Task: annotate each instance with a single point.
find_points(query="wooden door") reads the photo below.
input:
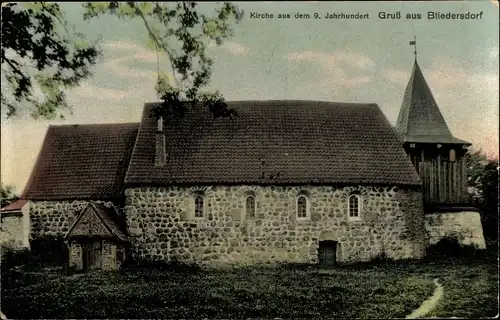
(327, 253)
(93, 255)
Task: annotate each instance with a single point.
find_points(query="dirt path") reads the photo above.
(429, 304)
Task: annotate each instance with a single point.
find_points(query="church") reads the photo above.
(282, 181)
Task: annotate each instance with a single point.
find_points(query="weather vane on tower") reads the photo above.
(414, 43)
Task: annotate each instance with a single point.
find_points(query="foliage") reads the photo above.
(45, 250)
(41, 58)
(12, 257)
(7, 195)
(179, 31)
(482, 176)
(50, 249)
(450, 247)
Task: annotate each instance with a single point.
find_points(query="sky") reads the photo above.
(367, 60)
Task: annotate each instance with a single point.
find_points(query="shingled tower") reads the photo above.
(437, 155)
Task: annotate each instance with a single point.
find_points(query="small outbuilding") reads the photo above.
(97, 239)
(15, 224)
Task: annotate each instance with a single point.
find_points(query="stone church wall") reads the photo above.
(54, 217)
(464, 226)
(163, 227)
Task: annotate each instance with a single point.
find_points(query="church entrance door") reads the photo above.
(92, 255)
(327, 253)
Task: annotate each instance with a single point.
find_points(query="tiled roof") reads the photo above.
(112, 220)
(274, 142)
(420, 119)
(82, 162)
(15, 206)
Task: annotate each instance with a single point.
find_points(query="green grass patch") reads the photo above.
(385, 290)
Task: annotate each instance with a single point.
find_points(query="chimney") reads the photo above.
(160, 152)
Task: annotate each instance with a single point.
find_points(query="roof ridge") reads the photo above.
(286, 100)
(93, 124)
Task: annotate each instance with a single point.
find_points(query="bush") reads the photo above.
(50, 249)
(450, 247)
(12, 257)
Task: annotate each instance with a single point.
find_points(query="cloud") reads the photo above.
(493, 53)
(128, 53)
(88, 90)
(333, 60)
(132, 50)
(396, 76)
(119, 67)
(235, 48)
(334, 66)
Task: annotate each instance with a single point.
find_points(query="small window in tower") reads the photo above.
(452, 155)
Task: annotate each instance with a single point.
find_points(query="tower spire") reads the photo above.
(414, 44)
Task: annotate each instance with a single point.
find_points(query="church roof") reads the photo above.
(274, 142)
(82, 162)
(420, 119)
(15, 206)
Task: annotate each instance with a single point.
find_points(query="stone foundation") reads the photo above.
(163, 227)
(464, 226)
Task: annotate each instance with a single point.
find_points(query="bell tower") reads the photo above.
(437, 155)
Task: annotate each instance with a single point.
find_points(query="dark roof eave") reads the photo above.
(60, 198)
(430, 140)
(249, 182)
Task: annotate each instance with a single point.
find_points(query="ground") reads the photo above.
(383, 290)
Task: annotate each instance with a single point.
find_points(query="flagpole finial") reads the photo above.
(415, 52)
(414, 44)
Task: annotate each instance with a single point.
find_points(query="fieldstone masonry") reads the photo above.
(15, 228)
(55, 217)
(163, 227)
(75, 255)
(465, 226)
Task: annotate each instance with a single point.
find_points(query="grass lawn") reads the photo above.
(366, 291)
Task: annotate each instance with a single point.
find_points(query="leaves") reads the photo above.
(482, 175)
(38, 52)
(179, 31)
(7, 195)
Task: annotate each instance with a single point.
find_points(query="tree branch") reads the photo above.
(13, 67)
(155, 39)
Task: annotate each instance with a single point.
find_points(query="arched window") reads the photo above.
(250, 207)
(302, 206)
(198, 207)
(354, 207)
